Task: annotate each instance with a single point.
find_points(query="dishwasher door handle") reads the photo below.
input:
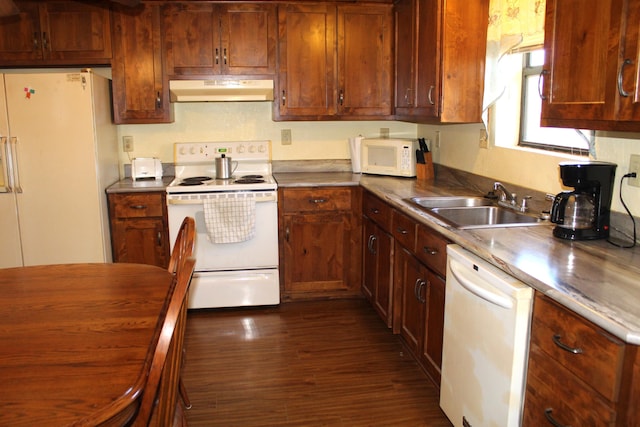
(495, 298)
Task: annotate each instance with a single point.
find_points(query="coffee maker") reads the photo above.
(583, 214)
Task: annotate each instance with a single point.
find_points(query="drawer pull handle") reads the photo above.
(556, 341)
(316, 201)
(138, 207)
(430, 251)
(401, 230)
(375, 211)
(159, 238)
(549, 417)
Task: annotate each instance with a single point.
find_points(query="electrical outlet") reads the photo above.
(384, 133)
(484, 140)
(634, 166)
(285, 136)
(127, 144)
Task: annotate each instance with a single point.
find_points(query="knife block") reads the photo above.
(425, 171)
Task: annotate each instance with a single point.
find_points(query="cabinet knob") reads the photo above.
(430, 251)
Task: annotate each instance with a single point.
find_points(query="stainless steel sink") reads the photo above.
(473, 212)
(450, 202)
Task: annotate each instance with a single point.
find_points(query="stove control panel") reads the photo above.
(197, 152)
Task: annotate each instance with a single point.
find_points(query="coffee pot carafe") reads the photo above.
(583, 214)
(573, 210)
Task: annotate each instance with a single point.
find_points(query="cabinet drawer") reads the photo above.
(403, 229)
(599, 358)
(377, 210)
(137, 205)
(431, 248)
(316, 199)
(554, 393)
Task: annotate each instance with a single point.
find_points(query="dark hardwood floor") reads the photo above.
(326, 363)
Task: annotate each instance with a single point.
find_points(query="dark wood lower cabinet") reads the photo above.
(139, 229)
(377, 269)
(320, 242)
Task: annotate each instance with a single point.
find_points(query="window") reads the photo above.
(573, 141)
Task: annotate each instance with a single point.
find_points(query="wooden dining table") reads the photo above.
(76, 341)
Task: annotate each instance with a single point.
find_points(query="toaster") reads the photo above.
(146, 168)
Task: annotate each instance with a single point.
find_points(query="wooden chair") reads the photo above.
(159, 398)
(184, 245)
(183, 248)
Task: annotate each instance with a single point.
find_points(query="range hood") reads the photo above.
(220, 90)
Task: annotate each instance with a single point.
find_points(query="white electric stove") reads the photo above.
(237, 273)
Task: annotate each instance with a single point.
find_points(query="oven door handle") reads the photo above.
(199, 201)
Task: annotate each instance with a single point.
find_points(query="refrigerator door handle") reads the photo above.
(6, 166)
(14, 180)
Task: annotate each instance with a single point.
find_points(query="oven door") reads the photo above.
(259, 252)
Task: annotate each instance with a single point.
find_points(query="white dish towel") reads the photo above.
(230, 220)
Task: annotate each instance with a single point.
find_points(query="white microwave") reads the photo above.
(395, 157)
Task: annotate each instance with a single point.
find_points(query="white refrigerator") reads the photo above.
(58, 151)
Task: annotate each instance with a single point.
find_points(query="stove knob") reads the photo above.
(261, 148)
(241, 148)
(192, 150)
(252, 149)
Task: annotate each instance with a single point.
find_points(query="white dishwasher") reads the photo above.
(486, 340)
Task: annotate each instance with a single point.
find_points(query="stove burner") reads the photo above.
(195, 180)
(245, 180)
(251, 177)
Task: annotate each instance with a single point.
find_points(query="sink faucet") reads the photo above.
(506, 197)
(509, 199)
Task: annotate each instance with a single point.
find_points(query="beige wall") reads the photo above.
(459, 148)
(229, 121)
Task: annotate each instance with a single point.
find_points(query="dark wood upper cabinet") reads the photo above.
(56, 32)
(140, 87)
(591, 72)
(440, 54)
(335, 62)
(207, 39)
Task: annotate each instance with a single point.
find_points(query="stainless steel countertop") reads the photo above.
(592, 278)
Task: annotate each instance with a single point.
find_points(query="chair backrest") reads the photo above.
(184, 244)
(173, 325)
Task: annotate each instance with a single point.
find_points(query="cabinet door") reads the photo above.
(581, 60)
(140, 91)
(365, 41)
(192, 39)
(249, 34)
(434, 327)
(405, 27)
(428, 72)
(75, 31)
(140, 240)
(306, 76)
(377, 280)
(56, 32)
(417, 58)
(629, 91)
(369, 259)
(316, 251)
(20, 35)
(410, 279)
